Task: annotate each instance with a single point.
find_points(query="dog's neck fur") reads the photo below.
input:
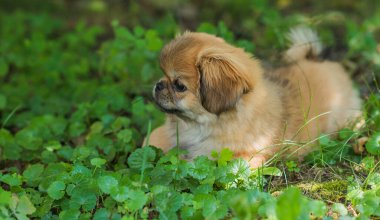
(237, 128)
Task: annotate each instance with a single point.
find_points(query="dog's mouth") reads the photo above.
(168, 110)
(172, 111)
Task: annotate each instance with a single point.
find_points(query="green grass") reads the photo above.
(75, 106)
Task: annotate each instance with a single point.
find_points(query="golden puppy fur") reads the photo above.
(220, 97)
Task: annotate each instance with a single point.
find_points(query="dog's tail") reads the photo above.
(304, 44)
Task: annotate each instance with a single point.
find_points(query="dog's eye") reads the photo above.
(179, 87)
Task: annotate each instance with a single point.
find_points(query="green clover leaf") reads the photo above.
(56, 190)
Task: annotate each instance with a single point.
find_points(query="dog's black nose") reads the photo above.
(159, 86)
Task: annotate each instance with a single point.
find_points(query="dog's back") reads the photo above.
(318, 96)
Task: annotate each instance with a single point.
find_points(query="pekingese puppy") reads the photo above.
(219, 96)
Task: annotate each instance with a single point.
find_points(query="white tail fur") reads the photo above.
(304, 42)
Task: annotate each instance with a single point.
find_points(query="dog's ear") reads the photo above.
(223, 79)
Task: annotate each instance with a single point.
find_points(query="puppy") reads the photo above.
(218, 96)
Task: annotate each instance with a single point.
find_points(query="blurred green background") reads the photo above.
(75, 103)
(86, 61)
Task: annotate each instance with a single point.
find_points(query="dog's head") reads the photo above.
(203, 75)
